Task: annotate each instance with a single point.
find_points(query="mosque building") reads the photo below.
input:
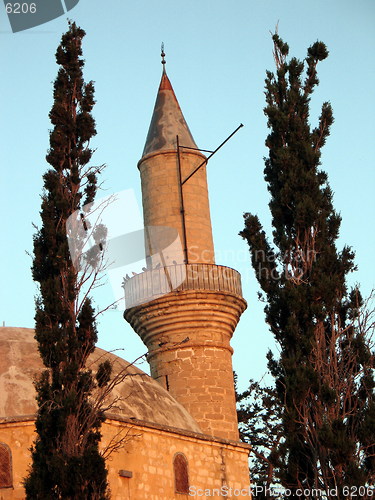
(179, 425)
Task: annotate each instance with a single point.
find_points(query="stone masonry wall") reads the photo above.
(162, 201)
(188, 334)
(148, 454)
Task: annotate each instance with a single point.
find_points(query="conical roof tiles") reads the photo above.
(167, 122)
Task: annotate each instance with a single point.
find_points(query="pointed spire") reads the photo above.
(167, 120)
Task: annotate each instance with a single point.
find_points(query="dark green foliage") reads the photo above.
(323, 379)
(259, 420)
(66, 459)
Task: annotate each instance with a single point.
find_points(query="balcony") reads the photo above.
(155, 283)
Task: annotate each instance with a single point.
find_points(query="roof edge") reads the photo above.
(144, 423)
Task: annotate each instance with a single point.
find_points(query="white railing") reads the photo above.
(154, 283)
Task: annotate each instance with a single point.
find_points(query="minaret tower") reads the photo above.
(185, 309)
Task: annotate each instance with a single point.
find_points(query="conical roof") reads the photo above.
(167, 122)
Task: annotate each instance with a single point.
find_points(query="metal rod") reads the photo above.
(197, 149)
(166, 271)
(182, 208)
(208, 157)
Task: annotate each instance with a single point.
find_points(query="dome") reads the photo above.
(139, 396)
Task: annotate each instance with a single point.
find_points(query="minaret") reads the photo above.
(184, 307)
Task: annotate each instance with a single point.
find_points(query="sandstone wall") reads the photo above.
(148, 453)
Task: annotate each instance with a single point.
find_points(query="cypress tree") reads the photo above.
(66, 463)
(259, 422)
(324, 375)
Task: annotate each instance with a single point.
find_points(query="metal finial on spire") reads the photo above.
(163, 56)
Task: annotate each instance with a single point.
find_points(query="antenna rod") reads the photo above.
(182, 207)
(208, 157)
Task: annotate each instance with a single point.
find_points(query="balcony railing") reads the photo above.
(155, 283)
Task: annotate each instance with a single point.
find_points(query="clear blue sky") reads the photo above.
(217, 55)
